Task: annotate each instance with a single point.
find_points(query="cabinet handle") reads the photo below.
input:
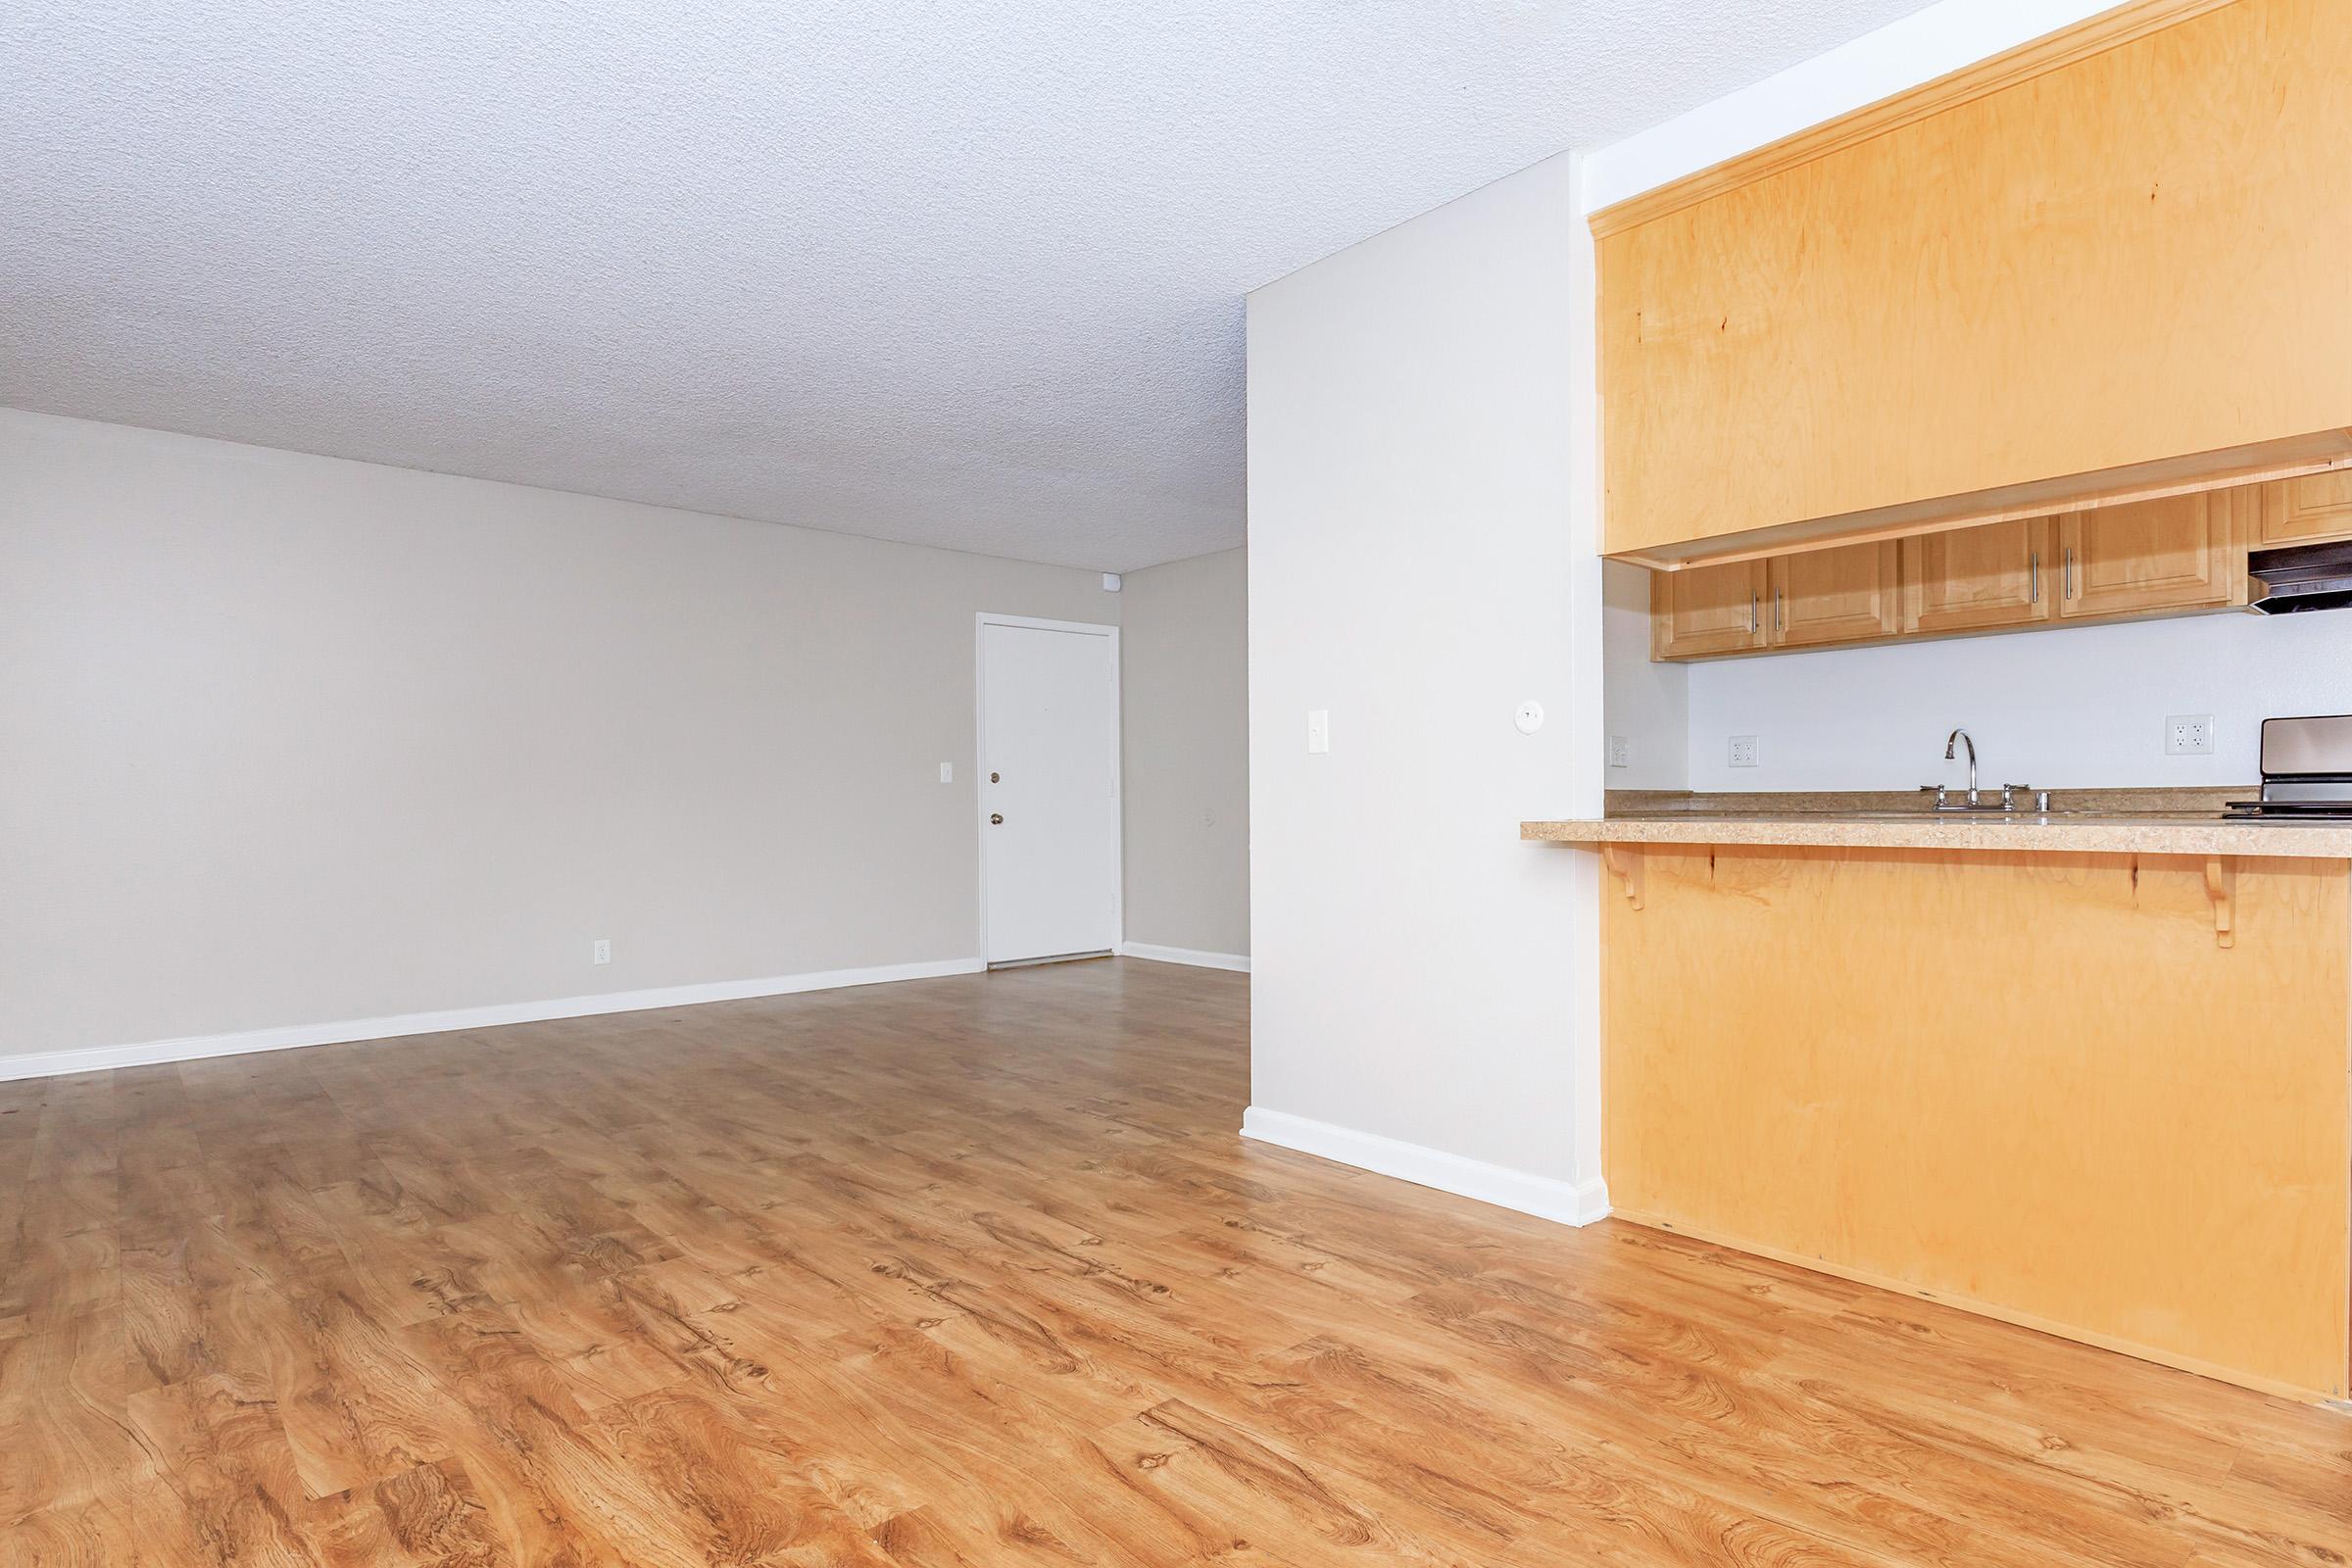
(1779, 609)
(1754, 626)
(2070, 573)
(2034, 567)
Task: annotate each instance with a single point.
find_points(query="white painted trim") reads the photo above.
(1085, 628)
(192, 1047)
(1198, 960)
(1544, 1197)
(981, 621)
(1945, 37)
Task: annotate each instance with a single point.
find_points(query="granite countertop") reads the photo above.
(2105, 821)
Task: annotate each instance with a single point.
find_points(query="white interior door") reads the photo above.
(1049, 787)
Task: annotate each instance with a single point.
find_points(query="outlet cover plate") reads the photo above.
(1744, 751)
(2188, 735)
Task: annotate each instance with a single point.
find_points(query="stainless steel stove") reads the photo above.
(2306, 771)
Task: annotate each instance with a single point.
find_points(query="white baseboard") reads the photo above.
(191, 1048)
(1192, 955)
(1544, 1197)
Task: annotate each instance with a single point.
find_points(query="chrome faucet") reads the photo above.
(1973, 800)
(1951, 751)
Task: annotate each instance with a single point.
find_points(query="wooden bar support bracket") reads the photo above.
(1625, 860)
(2221, 886)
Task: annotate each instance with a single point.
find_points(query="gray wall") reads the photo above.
(290, 740)
(1185, 665)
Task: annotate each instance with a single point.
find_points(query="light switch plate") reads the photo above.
(946, 772)
(1319, 729)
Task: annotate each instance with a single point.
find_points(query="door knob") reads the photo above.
(994, 777)
(996, 818)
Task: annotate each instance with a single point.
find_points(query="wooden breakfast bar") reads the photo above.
(2087, 1074)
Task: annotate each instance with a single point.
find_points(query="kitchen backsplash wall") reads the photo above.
(2072, 708)
(1648, 705)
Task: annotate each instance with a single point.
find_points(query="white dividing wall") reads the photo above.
(287, 740)
(1185, 634)
(1420, 562)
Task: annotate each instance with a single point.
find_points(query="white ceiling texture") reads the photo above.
(963, 273)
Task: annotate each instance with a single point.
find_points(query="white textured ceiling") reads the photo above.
(966, 272)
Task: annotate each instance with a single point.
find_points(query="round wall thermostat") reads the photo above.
(1530, 717)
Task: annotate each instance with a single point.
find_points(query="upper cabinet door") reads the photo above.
(2179, 552)
(1997, 574)
(1707, 609)
(1849, 594)
(2131, 249)
(2307, 510)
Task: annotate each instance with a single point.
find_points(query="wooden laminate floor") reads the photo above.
(975, 1271)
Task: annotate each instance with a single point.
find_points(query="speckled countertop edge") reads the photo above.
(2115, 821)
(2142, 834)
(2116, 801)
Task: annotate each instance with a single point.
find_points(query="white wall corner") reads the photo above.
(291, 1037)
(1578, 1203)
(1153, 950)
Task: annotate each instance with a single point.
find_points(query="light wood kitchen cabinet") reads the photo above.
(1707, 609)
(1975, 579)
(2176, 555)
(2313, 510)
(1851, 593)
(2179, 552)
(2032, 269)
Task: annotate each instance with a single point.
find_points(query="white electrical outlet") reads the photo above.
(603, 951)
(1621, 751)
(1743, 751)
(2188, 735)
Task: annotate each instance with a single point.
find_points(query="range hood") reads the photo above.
(2302, 577)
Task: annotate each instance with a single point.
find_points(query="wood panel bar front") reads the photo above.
(2033, 1084)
